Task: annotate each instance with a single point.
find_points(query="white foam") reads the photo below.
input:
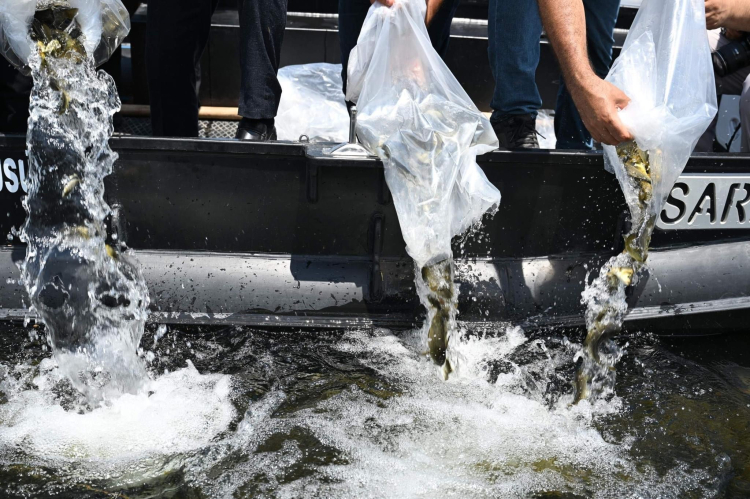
(463, 438)
(184, 411)
(473, 436)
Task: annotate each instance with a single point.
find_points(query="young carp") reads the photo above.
(438, 279)
(605, 315)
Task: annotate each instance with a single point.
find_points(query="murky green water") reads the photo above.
(363, 414)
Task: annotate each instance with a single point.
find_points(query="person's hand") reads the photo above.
(718, 12)
(433, 6)
(598, 102)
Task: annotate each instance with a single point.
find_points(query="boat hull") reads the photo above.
(284, 234)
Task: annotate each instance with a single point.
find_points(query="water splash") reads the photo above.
(90, 295)
(606, 297)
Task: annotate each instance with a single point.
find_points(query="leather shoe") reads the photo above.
(254, 130)
(517, 132)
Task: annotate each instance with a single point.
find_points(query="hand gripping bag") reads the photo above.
(415, 116)
(665, 68)
(104, 23)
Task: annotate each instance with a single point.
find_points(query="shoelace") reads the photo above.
(529, 135)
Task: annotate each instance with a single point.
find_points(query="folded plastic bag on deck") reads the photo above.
(416, 117)
(312, 103)
(665, 68)
(104, 23)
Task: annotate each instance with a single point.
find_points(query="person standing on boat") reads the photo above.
(597, 101)
(515, 27)
(177, 35)
(352, 14)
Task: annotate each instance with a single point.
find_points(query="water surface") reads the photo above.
(237, 412)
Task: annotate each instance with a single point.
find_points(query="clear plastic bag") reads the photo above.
(416, 117)
(665, 68)
(15, 19)
(104, 23)
(316, 89)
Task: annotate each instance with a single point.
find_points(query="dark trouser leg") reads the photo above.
(515, 29)
(177, 35)
(440, 27)
(352, 14)
(262, 24)
(14, 99)
(601, 16)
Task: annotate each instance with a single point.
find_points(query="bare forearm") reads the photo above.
(740, 18)
(565, 23)
(732, 14)
(597, 101)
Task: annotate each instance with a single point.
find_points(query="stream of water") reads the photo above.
(87, 289)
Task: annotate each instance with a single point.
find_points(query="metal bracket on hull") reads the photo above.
(351, 149)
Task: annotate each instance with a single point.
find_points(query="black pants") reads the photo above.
(352, 15)
(14, 99)
(177, 35)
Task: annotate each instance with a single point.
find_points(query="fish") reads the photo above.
(635, 160)
(607, 324)
(633, 250)
(80, 231)
(581, 386)
(57, 32)
(597, 334)
(111, 252)
(621, 274)
(72, 184)
(439, 281)
(646, 193)
(64, 103)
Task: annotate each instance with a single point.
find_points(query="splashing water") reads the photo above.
(360, 414)
(91, 296)
(605, 298)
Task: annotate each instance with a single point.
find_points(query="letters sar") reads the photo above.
(696, 203)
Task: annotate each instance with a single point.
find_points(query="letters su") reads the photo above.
(13, 175)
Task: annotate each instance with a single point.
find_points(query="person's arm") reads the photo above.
(733, 14)
(433, 6)
(597, 100)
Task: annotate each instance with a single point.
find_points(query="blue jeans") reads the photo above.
(352, 15)
(515, 28)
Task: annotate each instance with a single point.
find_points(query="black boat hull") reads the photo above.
(284, 234)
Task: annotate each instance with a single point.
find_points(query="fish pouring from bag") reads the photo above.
(605, 298)
(89, 293)
(438, 295)
(414, 115)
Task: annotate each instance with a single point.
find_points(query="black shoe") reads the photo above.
(258, 130)
(517, 132)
